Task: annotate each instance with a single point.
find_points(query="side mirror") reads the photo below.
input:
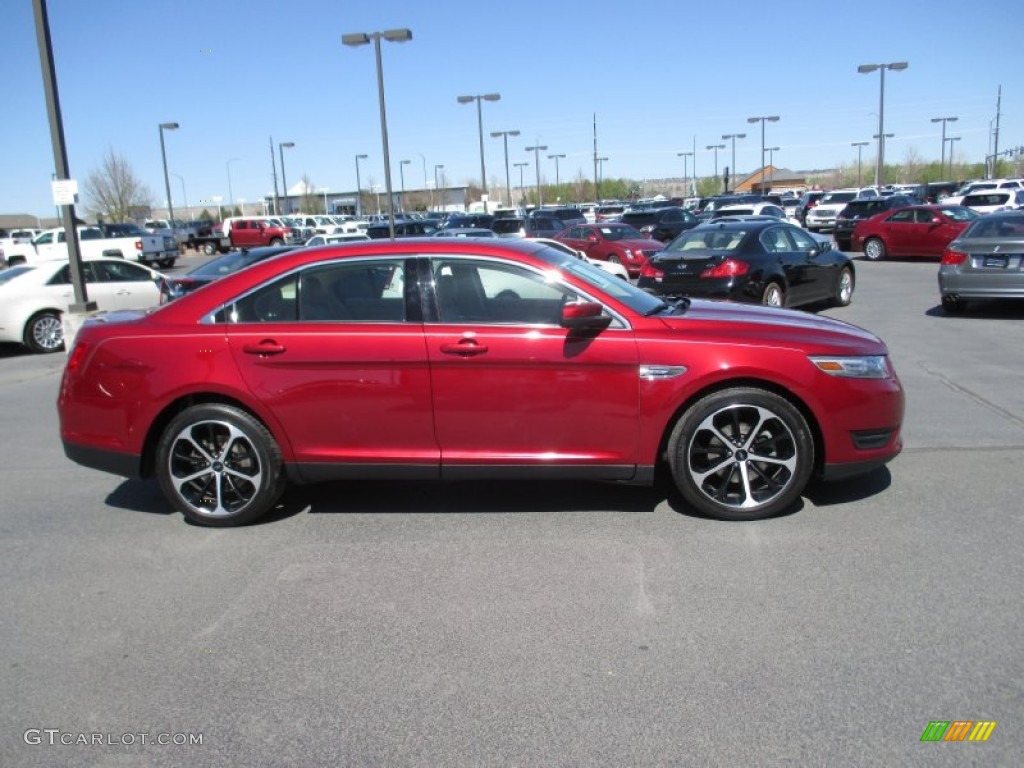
(584, 316)
(591, 238)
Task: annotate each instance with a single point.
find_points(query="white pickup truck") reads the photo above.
(126, 241)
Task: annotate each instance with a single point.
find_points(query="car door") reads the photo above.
(337, 353)
(131, 286)
(46, 245)
(576, 237)
(900, 231)
(513, 388)
(807, 272)
(61, 290)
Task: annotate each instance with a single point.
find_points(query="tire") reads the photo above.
(741, 454)
(44, 332)
(277, 241)
(613, 259)
(953, 305)
(167, 263)
(844, 288)
(219, 466)
(874, 249)
(210, 249)
(773, 295)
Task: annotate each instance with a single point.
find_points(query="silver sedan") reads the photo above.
(986, 261)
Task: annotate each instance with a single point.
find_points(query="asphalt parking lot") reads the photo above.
(536, 624)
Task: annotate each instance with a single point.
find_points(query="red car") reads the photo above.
(916, 230)
(453, 358)
(617, 243)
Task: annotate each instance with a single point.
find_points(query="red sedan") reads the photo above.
(450, 358)
(917, 230)
(618, 243)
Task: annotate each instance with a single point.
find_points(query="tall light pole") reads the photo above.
(951, 139)
(508, 182)
(537, 149)
(273, 168)
(231, 194)
(686, 171)
(881, 136)
(480, 127)
(600, 173)
(324, 191)
(401, 173)
(732, 170)
(184, 197)
(520, 166)
(557, 178)
(771, 164)
(167, 181)
(392, 36)
(359, 188)
(715, 147)
(436, 185)
(763, 119)
(284, 179)
(860, 146)
(944, 120)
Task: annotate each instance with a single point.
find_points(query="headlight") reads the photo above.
(867, 367)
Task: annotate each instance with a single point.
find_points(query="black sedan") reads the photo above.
(232, 261)
(754, 260)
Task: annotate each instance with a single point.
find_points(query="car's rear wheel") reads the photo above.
(773, 295)
(277, 241)
(741, 454)
(844, 288)
(219, 466)
(44, 332)
(874, 249)
(209, 249)
(953, 305)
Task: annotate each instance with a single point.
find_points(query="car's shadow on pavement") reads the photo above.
(823, 494)
(983, 309)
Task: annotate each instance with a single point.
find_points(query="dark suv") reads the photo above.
(808, 201)
(858, 210)
(662, 224)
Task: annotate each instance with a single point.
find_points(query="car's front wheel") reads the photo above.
(874, 249)
(219, 466)
(844, 288)
(741, 454)
(44, 332)
(209, 249)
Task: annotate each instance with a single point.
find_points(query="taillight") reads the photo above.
(651, 272)
(728, 268)
(953, 257)
(138, 245)
(77, 356)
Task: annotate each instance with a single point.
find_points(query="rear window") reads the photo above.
(713, 239)
(994, 225)
(987, 198)
(507, 226)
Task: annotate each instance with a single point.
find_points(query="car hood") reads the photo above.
(739, 323)
(645, 244)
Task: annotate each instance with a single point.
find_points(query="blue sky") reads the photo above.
(659, 76)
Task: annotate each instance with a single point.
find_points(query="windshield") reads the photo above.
(635, 298)
(838, 197)
(229, 262)
(620, 232)
(711, 239)
(12, 272)
(959, 214)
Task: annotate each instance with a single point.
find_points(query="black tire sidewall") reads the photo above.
(767, 289)
(259, 436)
(691, 419)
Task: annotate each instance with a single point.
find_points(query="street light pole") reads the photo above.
(686, 171)
(508, 182)
(944, 120)
(184, 197)
(557, 178)
(520, 166)
(401, 173)
(716, 147)
(436, 185)
(231, 194)
(771, 165)
(763, 119)
(600, 173)
(536, 149)
(284, 179)
(860, 146)
(167, 181)
(359, 188)
(732, 171)
(881, 135)
(951, 139)
(393, 36)
(480, 127)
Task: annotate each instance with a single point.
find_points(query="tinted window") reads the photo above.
(507, 226)
(488, 292)
(121, 272)
(904, 217)
(372, 291)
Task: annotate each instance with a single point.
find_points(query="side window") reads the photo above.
(121, 272)
(272, 303)
(804, 242)
(922, 215)
(672, 215)
(367, 291)
(45, 239)
(903, 217)
(774, 240)
(491, 293)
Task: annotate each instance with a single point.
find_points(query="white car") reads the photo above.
(991, 200)
(33, 297)
(341, 237)
(822, 217)
(749, 209)
(611, 267)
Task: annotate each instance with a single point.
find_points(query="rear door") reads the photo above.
(132, 286)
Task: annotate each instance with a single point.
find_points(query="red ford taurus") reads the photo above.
(468, 358)
(917, 230)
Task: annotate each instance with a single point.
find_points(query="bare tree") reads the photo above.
(114, 191)
(913, 164)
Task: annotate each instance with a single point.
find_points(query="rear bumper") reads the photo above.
(114, 462)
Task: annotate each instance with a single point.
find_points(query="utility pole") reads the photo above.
(273, 167)
(597, 189)
(995, 144)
